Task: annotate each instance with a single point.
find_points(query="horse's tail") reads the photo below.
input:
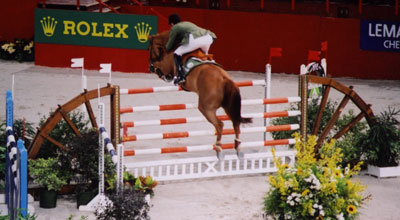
(232, 103)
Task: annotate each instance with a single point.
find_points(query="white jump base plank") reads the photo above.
(204, 167)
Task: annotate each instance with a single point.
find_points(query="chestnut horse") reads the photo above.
(212, 84)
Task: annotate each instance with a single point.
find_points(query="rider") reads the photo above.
(189, 37)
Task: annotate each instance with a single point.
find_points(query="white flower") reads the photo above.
(340, 216)
(312, 212)
(297, 199)
(5, 46)
(322, 213)
(315, 206)
(291, 203)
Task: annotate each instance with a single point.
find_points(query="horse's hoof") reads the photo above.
(220, 155)
(240, 155)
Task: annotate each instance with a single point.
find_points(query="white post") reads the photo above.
(324, 65)
(120, 167)
(101, 150)
(267, 93)
(303, 69)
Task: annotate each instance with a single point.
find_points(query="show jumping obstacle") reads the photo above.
(16, 167)
(199, 167)
(185, 168)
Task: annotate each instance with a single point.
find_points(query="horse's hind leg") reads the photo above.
(236, 127)
(218, 125)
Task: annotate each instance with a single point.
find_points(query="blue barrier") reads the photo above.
(16, 167)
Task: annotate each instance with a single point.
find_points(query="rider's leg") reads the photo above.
(203, 43)
(179, 70)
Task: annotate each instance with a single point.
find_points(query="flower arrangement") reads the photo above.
(19, 50)
(314, 188)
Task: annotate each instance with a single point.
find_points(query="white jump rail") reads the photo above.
(130, 109)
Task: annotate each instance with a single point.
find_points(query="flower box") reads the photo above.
(383, 171)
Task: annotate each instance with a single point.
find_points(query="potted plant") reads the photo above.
(46, 172)
(83, 158)
(381, 145)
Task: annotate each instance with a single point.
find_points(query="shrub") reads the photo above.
(83, 159)
(129, 204)
(348, 142)
(62, 133)
(46, 172)
(314, 189)
(380, 144)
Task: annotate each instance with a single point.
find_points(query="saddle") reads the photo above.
(194, 59)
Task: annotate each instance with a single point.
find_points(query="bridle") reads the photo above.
(158, 58)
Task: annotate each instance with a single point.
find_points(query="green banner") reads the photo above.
(94, 29)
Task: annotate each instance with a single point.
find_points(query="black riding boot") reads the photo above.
(180, 78)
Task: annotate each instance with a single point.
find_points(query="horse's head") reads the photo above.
(161, 61)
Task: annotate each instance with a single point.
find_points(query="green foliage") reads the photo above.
(46, 172)
(62, 133)
(20, 50)
(83, 217)
(312, 111)
(314, 189)
(24, 130)
(18, 133)
(2, 166)
(129, 204)
(19, 217)
(83, 159)
(348, 142)
(143, 184)
(380, 144)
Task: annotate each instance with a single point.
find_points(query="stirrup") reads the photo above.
(179, 80)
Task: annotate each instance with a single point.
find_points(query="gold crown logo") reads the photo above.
(48, 25)
(142, 31)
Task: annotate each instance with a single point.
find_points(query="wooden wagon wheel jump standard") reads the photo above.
(349, 94)
(62, 113)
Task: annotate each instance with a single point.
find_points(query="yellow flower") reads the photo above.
(338, 173)
(11, 50)
(351, 209)
(299, 171)
(305, 192)
(5, 46)
(320, 217)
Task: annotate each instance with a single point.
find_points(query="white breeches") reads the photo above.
(203, 43)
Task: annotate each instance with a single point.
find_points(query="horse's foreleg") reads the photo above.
(218, 125)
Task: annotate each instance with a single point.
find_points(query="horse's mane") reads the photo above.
(163, 37)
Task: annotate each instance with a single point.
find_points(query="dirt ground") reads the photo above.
(38, 90)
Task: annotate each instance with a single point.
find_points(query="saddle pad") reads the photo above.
(193, 62)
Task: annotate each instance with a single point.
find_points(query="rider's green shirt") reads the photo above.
(180, 33)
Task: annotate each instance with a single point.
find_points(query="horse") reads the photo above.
(212, 84)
